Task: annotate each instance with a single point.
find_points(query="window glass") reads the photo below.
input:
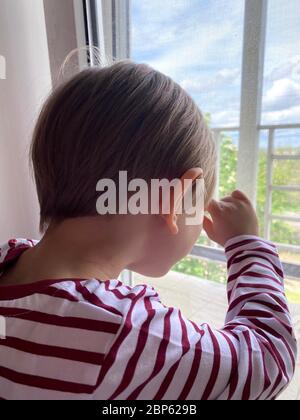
(281, 103)
(201, 48)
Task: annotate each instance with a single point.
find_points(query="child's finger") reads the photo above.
(214, 208)
(228, 199)
(240, 196)
(208, 227)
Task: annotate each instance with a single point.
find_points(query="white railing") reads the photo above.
(215, 253)
(271, 157)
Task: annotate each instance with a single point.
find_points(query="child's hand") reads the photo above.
(232, 216)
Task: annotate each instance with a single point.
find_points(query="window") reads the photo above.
(281, 104)
(280, 142)
(209, 56)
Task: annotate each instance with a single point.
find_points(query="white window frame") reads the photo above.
(108, 24)
(251, 95)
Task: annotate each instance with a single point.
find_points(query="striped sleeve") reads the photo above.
(258, 321)
(159, 354)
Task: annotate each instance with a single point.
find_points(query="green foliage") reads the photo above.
(228, 166)
(204, 269)
(285, 172)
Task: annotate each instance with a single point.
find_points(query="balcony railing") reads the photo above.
(214, 253)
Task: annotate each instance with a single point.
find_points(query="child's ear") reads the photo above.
(177, 195)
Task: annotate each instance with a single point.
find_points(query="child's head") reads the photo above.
(126, 117)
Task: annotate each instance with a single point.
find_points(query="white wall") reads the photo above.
(23, 43)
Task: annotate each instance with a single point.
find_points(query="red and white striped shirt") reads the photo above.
(88, 339)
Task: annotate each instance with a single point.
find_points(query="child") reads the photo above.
(73, 331)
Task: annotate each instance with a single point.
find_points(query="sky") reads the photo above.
(199, 44)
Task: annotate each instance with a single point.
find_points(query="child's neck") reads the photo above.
(76, 248)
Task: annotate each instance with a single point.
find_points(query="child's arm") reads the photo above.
(258, 325)
(159, 354)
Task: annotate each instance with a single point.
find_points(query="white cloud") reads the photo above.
(162, 11)
(192, 50)
(223, 78)
(149, 39)
(227, 118)
(282, 33)
(175, 36)
(291, 115)
(281, 102)
(289, 69)
(283, 94)
(157, 23)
